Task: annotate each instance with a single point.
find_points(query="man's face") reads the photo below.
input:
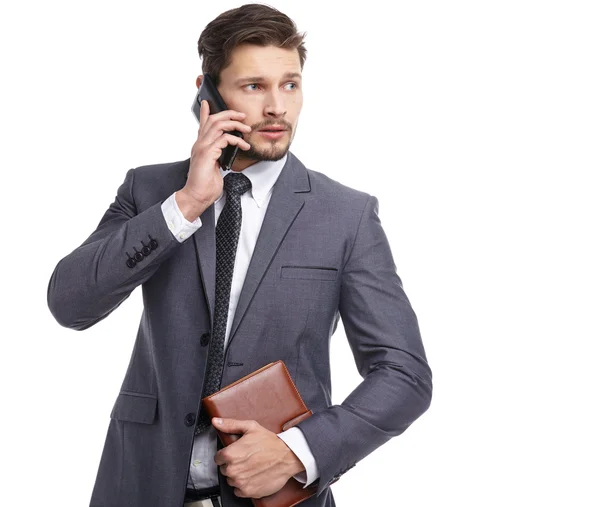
(266, 84)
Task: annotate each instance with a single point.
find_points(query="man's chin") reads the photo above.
(270, 154)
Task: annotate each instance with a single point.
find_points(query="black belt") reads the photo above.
(202, 494)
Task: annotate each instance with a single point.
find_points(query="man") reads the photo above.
(237, 270)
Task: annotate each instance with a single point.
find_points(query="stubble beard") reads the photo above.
(273, 151)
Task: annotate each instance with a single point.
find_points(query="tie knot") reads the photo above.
(236, 183)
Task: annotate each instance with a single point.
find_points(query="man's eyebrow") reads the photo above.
(260, 79)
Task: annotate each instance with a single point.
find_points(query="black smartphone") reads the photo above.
(208, 91)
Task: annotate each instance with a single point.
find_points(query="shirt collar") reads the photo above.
(263, 175)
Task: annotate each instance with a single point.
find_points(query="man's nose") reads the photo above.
(275, 105)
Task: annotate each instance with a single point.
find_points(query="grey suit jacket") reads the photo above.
(321, 255)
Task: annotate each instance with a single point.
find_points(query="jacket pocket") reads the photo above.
(135, 407)
(309, 272)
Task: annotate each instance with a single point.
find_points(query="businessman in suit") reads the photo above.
(239, 269)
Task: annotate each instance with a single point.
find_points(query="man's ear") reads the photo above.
(199, 80)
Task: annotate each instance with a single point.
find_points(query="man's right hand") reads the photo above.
(204, 183)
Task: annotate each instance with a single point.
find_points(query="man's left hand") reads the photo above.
(257, 464)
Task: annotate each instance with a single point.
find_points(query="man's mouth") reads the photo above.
(273, 132)
(273, 129)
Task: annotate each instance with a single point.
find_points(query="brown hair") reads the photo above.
(258, 24)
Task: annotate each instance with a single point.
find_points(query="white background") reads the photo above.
(476, 124)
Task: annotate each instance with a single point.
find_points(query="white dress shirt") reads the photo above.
(263, 175)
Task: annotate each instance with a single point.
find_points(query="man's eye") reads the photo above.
(256, 84)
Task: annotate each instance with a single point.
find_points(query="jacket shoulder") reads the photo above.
(155, 183)
(159, 173)
(324, 186)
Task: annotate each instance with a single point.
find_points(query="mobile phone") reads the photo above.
(208, 91)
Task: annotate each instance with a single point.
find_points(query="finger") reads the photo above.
(204, 112)
(220, 459)
(226, 456)
(237, 484)
(237, 426)
(228, 114)
(240, 493)
(222, 143)
(214, 130)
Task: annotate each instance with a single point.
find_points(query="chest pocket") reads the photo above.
(309, 273)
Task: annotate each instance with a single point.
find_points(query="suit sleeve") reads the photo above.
(95, 278)
(384, 336)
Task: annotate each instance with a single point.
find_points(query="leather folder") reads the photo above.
(269, 397)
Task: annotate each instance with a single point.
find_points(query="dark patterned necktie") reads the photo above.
(227, 234)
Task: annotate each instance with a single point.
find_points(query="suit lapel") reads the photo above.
(204, 240)
(204, 243)
(285, 204)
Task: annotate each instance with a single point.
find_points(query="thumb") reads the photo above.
(235, 426)
(204, 112)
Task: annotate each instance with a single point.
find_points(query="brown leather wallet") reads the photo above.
(269, 397)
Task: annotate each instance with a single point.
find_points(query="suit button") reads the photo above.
(204, 339)
(146, 251)
(130, 262)
(153, 244)
(190, 419)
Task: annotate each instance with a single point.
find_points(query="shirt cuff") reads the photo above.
(181, 228)
(296, 441)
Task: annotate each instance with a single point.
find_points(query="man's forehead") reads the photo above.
(268, 62)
